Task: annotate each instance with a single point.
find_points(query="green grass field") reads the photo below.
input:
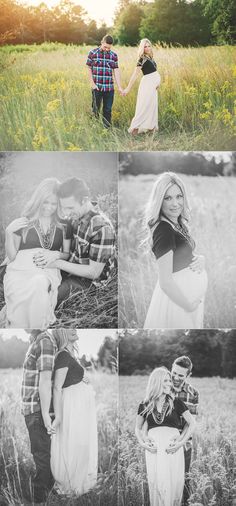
(46, 100)
(16, 463)
(213, 228)
(213, 464)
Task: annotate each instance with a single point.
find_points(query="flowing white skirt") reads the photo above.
(146, 112)
(163, 313)
(74, 446)
(30, 292)
(165, 471)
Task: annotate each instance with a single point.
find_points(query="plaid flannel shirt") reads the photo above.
(39, 357)
(190, 396)
(102, 64)
(94, 239)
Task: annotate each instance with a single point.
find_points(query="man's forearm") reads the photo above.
(117, 78)
(81, 270)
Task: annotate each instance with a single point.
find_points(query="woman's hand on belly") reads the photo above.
(150, 445)
(45, 258)
(173, 447)
(198, 263)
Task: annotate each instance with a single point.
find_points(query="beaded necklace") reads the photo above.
(183, 231)
(45, 238)
(160, 415)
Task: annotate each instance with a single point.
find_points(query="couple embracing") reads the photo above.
(58, 405)
(60, 245)
(164, 426)
(103, 65)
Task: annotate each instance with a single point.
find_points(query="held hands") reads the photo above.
(45, 258)
(198, 263)
(48, 423)
(55, 424)
(17, 224)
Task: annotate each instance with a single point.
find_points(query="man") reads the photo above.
(180, 372)
(102, 65)
(36, 400)
(93, 250)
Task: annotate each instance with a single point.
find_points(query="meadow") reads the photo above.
(213, 478)
(46, 100)
(16, 463)
(213, 221)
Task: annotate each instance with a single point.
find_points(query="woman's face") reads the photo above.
(173, 203)
(167, 384)
(72, 336)
(48, 206)
(147, 48)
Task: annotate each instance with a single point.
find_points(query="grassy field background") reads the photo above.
(16, 463)
(213, 464)
(213, 227)
(46, 100)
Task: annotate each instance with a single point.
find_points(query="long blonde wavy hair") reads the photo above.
(152, 214)
(142, 46)
(155, 389)
(61, 336)
(47, 187)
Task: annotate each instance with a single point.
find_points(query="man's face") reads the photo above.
(71, 207)
(178, 375)
(105, 46)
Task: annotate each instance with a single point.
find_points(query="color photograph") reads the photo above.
(177, 417)
(177, 240)
(117, 76)
(59, 395)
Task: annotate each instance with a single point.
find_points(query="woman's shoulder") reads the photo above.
(141, 407)
(163, 227)
(140, 61)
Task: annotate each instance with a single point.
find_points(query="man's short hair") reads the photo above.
(184, 362)
(73, 187)
(108, 39)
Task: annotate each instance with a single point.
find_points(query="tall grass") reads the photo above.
(213, 479)
(46, 100)
(16, 463)
(213, 227)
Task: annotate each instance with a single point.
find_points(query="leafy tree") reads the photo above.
(222, 15)
(175, 22)
(127, 24)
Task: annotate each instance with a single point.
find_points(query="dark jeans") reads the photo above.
(107, 98)
(40, 443)
(71, 284)
(187, 460)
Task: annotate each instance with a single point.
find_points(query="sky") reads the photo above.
(89, 340)
(99, 10)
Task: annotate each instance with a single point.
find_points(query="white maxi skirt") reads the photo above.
(30, 292)
(165, 472)
(146, 112)
(74, 447)
(163, 313)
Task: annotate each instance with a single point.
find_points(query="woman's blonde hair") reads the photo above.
(155, 389)
(152, 214)
(61, 336)
(47, 187)
(142, 46)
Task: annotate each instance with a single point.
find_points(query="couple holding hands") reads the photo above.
(103, 66)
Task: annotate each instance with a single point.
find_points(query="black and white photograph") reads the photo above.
(177, 240)
(177, 417)
(58, 232)
(59, 418)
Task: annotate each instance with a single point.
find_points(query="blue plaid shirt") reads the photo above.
(102, 64)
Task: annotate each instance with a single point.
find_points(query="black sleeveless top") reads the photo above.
(148, 65)
(166, 238)
(171, 420)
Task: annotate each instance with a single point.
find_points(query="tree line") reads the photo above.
(171, 22)
(13, 351)
(193, 163)
(213, 352)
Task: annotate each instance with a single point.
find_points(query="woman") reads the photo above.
(146, 112)
(162, 440)
(32, 243)
(178, 298)
(74, 444)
